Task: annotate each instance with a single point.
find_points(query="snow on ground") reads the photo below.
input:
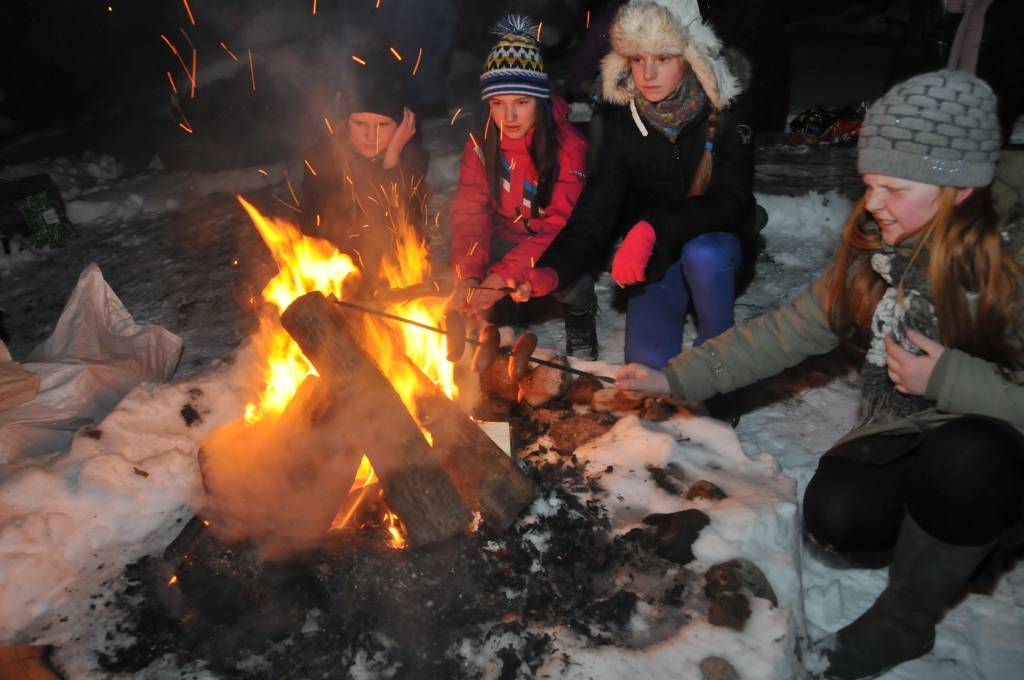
(179, 252)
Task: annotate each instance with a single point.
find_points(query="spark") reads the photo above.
(189, 10)
(185, 127)
(359, 60)
(309, 166)
(472, 248)
(473, 139)
(395, 53)
(234, 262)
(587, 24)
(348, 179)
(252, 71)
(318, 219)
(192, 94)
(540, 27)
(206, 522)
(314, 7)
(287, 205)
(518, 217)
(262, 172)
(110, 8)
(174, 51)
(328, 124)
(533, 263)
(187, 39)
(457, 112)
(230, 53)
(501, 131)
(288, 181)
(458, 273)
(487, 126)
(437, 286)
(378, 5)
(437, 219)
(419, 55)
(170, 78)
(172, 580)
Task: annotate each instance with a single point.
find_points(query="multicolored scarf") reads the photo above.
(675, 112)
(905, 306)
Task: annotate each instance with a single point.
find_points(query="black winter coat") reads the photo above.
(647, 178)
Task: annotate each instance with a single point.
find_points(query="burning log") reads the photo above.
(488, 481)
(375, 419)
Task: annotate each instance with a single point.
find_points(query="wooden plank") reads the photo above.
(416, 485)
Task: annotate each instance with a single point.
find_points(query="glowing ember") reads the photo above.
(397, 540)
(173, 580)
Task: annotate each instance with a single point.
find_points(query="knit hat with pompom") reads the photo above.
(514, 65)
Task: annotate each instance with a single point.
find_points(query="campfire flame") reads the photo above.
(309, 264)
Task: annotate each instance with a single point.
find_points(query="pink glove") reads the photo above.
(632, 256)
(542, 281)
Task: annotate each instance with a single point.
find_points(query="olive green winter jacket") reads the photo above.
(959, 385)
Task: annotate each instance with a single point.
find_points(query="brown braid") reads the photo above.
(702, 177)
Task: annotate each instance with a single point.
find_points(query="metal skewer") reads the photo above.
(501, 350)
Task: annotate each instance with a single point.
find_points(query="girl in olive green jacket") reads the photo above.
(931, 286)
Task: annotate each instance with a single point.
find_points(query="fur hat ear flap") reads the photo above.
(616, 79)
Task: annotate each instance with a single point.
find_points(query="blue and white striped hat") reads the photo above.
(514, 65)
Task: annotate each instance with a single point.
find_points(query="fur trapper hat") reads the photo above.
(666, 27)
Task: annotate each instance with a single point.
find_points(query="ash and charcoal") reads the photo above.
(452, 610)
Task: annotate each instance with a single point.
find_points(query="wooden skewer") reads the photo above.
(503, 350)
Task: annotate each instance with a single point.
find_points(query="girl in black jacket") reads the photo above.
(674, 175)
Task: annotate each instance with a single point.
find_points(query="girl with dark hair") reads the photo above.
(930, 285)
(520, 178)
(371, 148)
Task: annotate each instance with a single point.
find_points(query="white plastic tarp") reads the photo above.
(95, 355)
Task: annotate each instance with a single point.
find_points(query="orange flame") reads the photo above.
(309, 264)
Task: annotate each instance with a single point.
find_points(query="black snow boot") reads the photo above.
(581, 334)
(925, 577)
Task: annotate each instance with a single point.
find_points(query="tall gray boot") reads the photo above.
(925, 575)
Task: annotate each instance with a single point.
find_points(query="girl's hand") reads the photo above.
(539, 282)
(640, 378)
(479, 300)
(910, 372)
(463, 288)
(630, 260)
(406, 130)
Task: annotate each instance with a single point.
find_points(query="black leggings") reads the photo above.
(963, 483)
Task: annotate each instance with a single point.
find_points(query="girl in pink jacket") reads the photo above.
(520, 178)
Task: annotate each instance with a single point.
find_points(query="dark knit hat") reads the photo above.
(378, 86)
(514, 65)
(938, 128)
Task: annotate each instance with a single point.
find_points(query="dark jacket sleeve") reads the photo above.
(592, 226)
(726, 204)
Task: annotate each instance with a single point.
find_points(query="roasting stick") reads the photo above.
(503, 350)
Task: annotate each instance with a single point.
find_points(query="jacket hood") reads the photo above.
(666, 27)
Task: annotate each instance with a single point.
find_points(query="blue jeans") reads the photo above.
(656, 312)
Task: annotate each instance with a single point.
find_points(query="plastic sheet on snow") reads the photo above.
(95, 355)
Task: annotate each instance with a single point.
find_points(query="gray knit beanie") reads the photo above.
(938, 128)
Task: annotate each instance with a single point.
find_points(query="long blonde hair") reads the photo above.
(963, 253)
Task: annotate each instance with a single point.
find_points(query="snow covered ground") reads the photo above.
(180, 253)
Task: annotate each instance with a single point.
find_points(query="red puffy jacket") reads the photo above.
(475, 220)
